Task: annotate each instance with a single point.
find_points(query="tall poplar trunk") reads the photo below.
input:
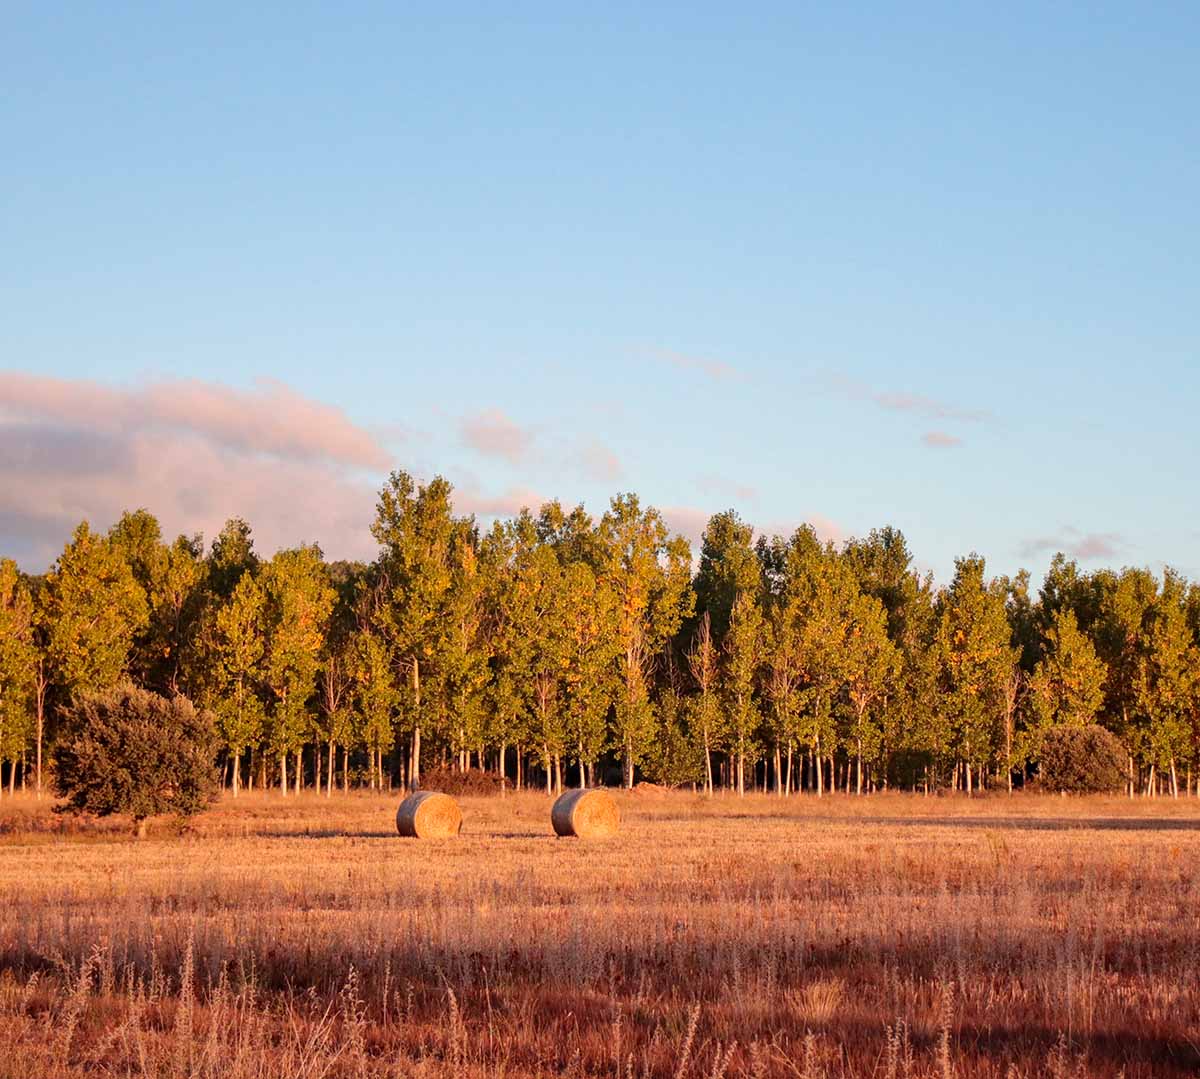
(414, 780)
(40, 702)
(283, 776)
(237, 772)
(329, 774)
(708, 775)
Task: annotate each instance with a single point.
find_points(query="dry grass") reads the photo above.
(891, 936)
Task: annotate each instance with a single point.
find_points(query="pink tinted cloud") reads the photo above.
(188, 482)
(718, 370)
(598, 462)
(717, 485)
(470, 499)
(690, 522)
(494, 434)
(1086, 546)
(191, 452)
(940, 440)
(899, 401)
(271, 418)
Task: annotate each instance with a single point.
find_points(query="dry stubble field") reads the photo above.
(893, 935)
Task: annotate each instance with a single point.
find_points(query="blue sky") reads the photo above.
(927, 265)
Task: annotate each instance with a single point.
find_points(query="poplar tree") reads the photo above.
(728, 567)
(509, 657)
(1067, 686)
(822, 589)
(416, 532)
(465, 636)
(781, 684)
(18, 666)
(973, 656)
(743, 651)
(589, 617)
(1127, 610)
(239, 646)
(540, 615)
(871, 662)
(298, 600)
(1168, 687)
(94, 608)
(706, 714)
(649, 575)
(376, 696)
(170, 576)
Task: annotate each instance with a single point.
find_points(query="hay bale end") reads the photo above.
(428, 815)
(589, 813)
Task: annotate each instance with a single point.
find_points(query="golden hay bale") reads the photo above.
(589, 813)
(428, 815)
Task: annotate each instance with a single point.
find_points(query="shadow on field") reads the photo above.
(1019, 824)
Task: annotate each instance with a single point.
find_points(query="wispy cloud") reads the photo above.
(717, 485)
(494, 434)
(940, 440)
(1071, 541)
(598, 462)
(917, 404)
(194, 453)
(718, 370)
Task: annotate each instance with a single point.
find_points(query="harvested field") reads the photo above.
(892, 935)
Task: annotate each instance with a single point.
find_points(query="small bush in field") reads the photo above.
(471, 782)
(133, 752)
(1082, 760)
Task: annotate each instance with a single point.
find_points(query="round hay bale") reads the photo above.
(428, 815)
(589, 813)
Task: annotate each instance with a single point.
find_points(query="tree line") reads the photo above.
(558, 649)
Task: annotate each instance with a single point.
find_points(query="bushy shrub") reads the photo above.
(131, 751)
(1082, 760)
(458, 784)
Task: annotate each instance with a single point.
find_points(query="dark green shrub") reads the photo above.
(1082, 760)
(133, 752)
